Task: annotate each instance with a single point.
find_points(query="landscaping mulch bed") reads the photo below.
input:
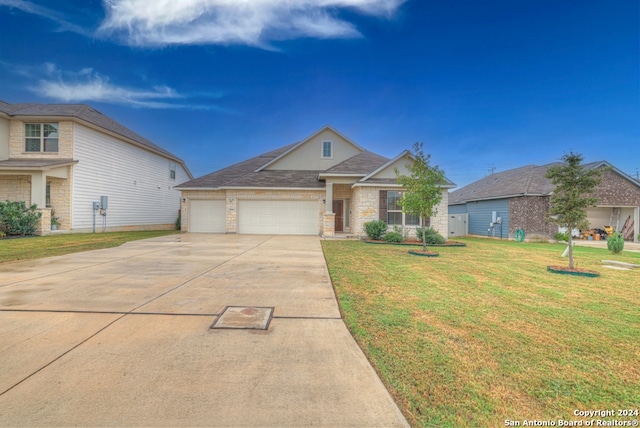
(412, 242)
(424, 253)
(565, 270)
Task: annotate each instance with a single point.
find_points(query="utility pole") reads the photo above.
(492, 169)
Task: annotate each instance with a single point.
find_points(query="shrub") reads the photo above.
(393, 237)
(18, 219)
(432, 237)
(615, 243)
(562, 237)
(376, 229)
(179, 223)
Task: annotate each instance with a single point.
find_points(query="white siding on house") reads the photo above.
(135, 180)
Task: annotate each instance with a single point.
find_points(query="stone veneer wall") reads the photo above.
(61, 198)
(529, 214)
(366, 203)
(232, 197)
(15, 188)
(17, 141)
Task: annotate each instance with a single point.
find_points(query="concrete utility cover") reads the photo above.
(244, 317)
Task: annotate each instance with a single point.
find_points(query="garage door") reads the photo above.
(207, 216)
(279, 217)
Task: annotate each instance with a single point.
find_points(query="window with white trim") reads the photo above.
(172, 170)
(41, 137)
(327, 149)
(395, 216)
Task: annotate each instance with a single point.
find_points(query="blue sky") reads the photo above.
(484, 84)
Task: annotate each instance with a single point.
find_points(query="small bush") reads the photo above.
(376, 229)
(562, 237)
(615, 243)
(18, 219)
(179, 223)
(432, 237)
(393, 237)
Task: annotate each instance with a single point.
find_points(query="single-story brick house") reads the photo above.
(521, 198)
(324, 184)
(64, 157)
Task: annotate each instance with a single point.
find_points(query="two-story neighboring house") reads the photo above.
(65, 157)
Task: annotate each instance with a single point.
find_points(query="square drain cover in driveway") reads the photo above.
(244, 317)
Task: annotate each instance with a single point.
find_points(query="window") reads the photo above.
(41, 137)
(172, 170)
(395, 216)
(327, 149)
(48, 196)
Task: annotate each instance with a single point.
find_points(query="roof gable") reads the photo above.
(308, 155)
(386, 173)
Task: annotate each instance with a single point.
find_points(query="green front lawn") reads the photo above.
(484, 334)
(57, 245)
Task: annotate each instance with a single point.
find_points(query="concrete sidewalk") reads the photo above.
(122, 337)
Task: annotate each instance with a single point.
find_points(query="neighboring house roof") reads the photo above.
(528, 180)
(87, 114)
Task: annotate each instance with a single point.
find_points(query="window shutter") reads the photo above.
(382, 211)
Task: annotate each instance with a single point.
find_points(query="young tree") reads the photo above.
(423, 189)
(573, 194)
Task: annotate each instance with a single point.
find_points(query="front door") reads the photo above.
(337, 209)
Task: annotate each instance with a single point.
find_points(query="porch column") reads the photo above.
(329, 218)
(39, 189)
(329, 198)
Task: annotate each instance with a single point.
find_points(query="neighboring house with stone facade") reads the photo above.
(521, 198)
(324, 184)
(64, 157)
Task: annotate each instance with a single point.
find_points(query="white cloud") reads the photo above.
(250, 22)
(87, 85)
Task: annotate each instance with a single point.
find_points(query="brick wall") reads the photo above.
(617, 191)
(529, 214)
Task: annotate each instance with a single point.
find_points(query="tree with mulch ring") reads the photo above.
(573, 194)
(423, 190)
(573, 271)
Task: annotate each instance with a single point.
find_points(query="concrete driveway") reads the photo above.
(122, 337)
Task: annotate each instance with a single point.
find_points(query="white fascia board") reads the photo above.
(340, 175)
(359, 184)
(271, 188)
(195, 188)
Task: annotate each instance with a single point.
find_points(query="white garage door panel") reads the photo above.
(207, 216)
(279, 217)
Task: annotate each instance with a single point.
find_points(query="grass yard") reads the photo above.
(57, 245)
(484, 334)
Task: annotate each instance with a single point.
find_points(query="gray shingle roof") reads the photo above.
(280, 178)
(85, 113)
(528, 180)
(234, 172)
(362, 163)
